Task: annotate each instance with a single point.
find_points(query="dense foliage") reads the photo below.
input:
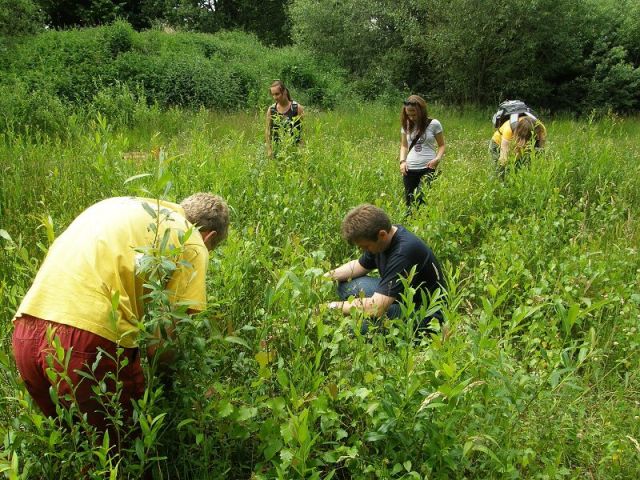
(535, 376)
(266, 19)
(45, 78)
(557, 54)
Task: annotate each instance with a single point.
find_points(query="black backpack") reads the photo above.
(511, 110)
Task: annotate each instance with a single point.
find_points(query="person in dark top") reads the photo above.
(395, 252)
(284, 117)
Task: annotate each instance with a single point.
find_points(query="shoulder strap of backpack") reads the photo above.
(514, 117)
(294, 108)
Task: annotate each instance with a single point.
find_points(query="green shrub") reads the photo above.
(19, 17)
(229, 70)
(118, 104)
(615, 83)
(38, 111)
(118, 37)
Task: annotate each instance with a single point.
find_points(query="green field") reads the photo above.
(537, 374)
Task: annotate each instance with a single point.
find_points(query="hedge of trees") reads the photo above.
(556, 54)
(115, 71)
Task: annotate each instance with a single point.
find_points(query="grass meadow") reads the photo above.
(536, 374)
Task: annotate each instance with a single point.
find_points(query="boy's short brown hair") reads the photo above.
(207, 211)
(364, 222)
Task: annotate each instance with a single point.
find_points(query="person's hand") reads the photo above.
(433, 164)
(502, 161)
(335, 305)
(403, 167)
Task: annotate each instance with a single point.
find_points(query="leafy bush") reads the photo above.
(38, 111)
(19, 17)
(118, 37)
(615, 84)
(462, 52)
(229, 70)
(118, 104)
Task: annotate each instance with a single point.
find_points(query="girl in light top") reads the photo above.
(422, 147)
(284, 118)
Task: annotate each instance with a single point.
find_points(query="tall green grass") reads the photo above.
(535, 376)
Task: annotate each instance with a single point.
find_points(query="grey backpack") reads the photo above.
(511, 110)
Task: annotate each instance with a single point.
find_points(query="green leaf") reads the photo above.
(362, 392)
(238, 340)
(374, 436)
(139, 449)
(286, 456)
(245, 413)
(467, 448)
(272, 448)
(262, 358)
(225, 409)
(184, 423)
(137, 177)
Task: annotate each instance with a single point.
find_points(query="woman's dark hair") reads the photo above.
(420, 125)
(280, 85)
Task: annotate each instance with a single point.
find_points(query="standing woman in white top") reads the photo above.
(421, 147)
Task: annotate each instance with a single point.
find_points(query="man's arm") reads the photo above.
(349, 270)
(507, 134)
(374, 306)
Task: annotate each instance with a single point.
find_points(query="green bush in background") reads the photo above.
(98, 69)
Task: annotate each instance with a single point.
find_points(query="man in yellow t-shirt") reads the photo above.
(89, 292)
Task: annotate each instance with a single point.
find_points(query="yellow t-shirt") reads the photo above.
(96, 256)
(505, 132)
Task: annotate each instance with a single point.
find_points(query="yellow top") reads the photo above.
(97, 256)
(505, 132)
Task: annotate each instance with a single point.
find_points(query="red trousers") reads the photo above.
(31, 348)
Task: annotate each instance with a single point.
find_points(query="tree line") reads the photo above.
(555, 54)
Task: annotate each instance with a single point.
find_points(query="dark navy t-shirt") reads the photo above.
(405, 251)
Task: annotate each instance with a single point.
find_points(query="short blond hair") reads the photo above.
(364, 222)
(207, 211)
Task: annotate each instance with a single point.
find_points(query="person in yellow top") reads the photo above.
(528, 134)
(89, 292)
